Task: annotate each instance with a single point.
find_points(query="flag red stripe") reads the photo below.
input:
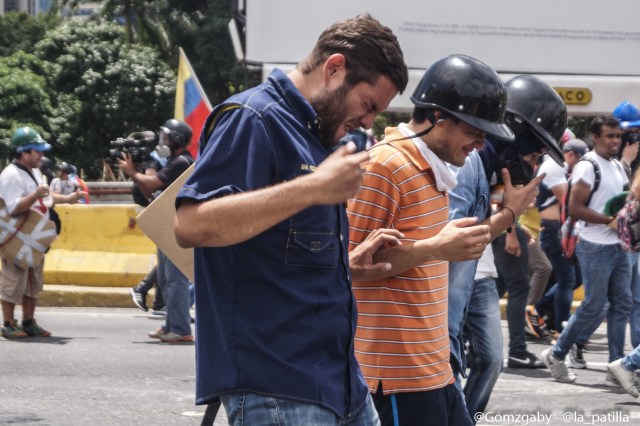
(196, 120)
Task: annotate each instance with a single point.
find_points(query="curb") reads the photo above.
(83, 296)
(118, 297)
(503, 307)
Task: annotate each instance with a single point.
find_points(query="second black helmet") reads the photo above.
(468, 90)
(533, 105)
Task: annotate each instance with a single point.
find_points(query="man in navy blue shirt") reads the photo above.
(265, 211)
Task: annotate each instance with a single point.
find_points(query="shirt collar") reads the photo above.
(445, 178)
(299, 103)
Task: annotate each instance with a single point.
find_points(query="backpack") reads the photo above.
(569, 232)
(629, 223)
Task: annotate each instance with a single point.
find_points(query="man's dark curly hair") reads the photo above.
(370, 50)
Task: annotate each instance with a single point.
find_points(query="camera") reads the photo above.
(138, 144)
(628, 139)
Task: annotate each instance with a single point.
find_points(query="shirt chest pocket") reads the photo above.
(311, 248)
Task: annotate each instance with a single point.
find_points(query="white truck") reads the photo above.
(588, 51)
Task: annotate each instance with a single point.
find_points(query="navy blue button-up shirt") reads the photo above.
(276, 315)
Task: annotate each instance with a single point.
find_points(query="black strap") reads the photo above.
(210, 413)
(596, 184)
(22, 167)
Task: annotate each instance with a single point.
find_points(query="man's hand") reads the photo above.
(361, 260)
(517, 199)
(42, 190)
(630, 152)
(338, 178)
(77, 195)
(127, 165)
(462, 240)
(512, 244)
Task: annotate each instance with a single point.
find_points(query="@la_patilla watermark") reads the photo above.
(569, 417)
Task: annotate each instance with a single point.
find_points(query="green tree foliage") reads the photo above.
(21, 32)
(86, 85)
(200, 28)
(26, 97)
(144, 21)
(106, 89)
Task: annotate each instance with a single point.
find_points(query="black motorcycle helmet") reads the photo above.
(46, 167)
(533, 107)
(178, 131)
(65, 167)
(467, 90)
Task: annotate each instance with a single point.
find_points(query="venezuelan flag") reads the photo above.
(192, 105)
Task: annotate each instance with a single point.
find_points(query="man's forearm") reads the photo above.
(25, 203)
(499, 222)
(238, 217)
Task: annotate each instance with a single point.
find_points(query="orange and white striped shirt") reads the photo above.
(402, 338)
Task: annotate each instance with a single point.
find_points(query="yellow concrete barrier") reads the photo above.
(99, 245)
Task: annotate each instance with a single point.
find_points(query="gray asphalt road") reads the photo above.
(532, 397)
(100, 368)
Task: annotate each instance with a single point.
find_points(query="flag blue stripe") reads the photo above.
(192, 96)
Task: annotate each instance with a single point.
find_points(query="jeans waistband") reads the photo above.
(549, 221)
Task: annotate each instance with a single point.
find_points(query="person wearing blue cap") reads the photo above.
(22, 188)
(629, 116)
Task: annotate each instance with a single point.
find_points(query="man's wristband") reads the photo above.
(513, 214)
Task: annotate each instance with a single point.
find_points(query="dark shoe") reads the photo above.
(525, 360)
(34, 330)
(139, 299)
(159, 312)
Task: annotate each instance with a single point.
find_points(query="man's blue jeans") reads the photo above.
(606, 274)
(460, 290)
(513, 274)
(562, 268)
(483, 331)
(632, 361)
(175, 290)
(258, 410)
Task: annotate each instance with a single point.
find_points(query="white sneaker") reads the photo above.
(624, 376)
(157, 333)
(557, 368)
(575, 358)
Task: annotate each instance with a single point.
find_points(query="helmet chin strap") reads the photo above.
(431, 116)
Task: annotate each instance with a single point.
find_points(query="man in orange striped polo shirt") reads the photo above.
(402, 340)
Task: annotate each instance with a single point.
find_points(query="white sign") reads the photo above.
(567, 43)
(541, 36)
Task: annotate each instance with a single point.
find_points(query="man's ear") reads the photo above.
(438, 118)
(334, 71)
